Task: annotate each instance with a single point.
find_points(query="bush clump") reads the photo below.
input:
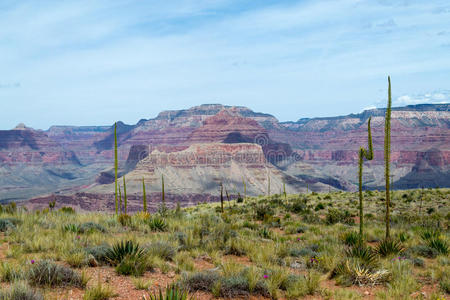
(162, 250)
(20, 291)
(100, 253)
(157, 224)
(388, 247)
(337, 216)
(90, 227)
(48, 273)
(201, 281)
(122, 250)
(5, 225)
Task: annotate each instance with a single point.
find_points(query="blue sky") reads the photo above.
(95, 62)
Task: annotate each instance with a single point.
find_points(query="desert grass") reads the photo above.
(280, 247)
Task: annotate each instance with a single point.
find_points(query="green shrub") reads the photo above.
(124, 219)
(157, 224)
(5, 225)
(121, 250)
(439, 245)
(67, 210)
(308, 284)
(444, 283)
(265, 233)
(100, 253)
(90, 227)
(298, 206)
(319, 206)
(364, 255)
(200, 281)
(74, 228)
(77, 258)
(20, 291)
(236, 247)
(99, 292)
(162, 249)
(388, 247)
(132, 265)
(10, 273)
(338, 216)
(350, 238)
(234, 287)
(418, 262)
(172, 292)
(263, 212)
(351, 272)
(303, 252)
(429, 234)
(423, 250)
(48, 273)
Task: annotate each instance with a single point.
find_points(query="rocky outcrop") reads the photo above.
(201, 168)
(321, 151)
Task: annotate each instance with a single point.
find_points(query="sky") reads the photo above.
(89, 62)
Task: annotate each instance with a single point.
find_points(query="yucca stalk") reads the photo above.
(387, 154)
(163, 195)
(144, 196)
(116, 166)
(363, 154)
(120, 200)
(268, 185)
(221, 197)
(125, 195)
(245, 188)
(284, 191)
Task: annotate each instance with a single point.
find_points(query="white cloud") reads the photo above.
(94, 62)
(427, 98)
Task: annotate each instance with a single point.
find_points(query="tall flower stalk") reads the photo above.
(387, 156)
(116, 166)
(363, 154)
(120, 200)
(144, 196)
(125, 195)
(245, 187)
(221, 197)
(163, 194)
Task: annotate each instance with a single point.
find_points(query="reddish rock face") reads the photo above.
(319, 149)
(218, 127)
(28, 146)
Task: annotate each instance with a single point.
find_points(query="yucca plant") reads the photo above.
(388, 247)
(245, 187)
(387, 156)
(429, 234)
(144, 196)
(120, 250)
(157, 224)
(70, 228)
(284, 191)
(361, 275)
(363, 154)
(363, 254)
(172, 292)
(116, 166)
(439, 245)
(125, 201)
(350, 238)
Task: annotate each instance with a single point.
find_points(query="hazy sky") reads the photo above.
(95, 62)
